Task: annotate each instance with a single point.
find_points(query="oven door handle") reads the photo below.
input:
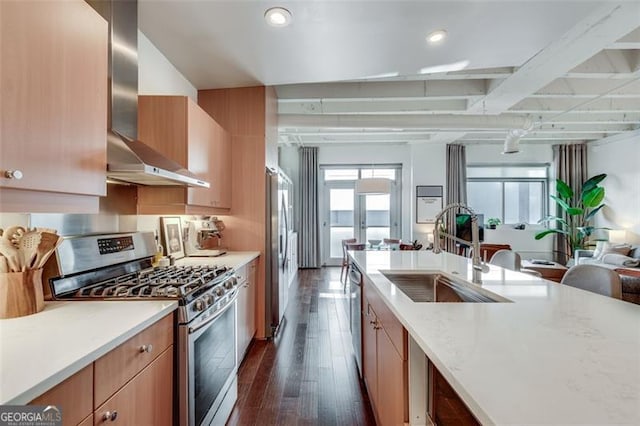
(216, 315)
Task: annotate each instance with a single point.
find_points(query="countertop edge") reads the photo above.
(61, 375)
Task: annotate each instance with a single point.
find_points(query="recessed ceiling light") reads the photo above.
(436, 36)
(278, 17)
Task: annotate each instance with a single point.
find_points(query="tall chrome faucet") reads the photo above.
(478, 265)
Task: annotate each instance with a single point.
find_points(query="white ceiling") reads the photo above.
(568, 70)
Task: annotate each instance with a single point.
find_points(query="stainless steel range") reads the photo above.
(118, 266)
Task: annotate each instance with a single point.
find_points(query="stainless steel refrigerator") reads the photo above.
(279, 208)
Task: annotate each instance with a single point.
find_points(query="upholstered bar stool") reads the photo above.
(345, 259)
(595, 279)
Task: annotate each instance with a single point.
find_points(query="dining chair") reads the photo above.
(507, 259)
(355, 246)
(487, 250)
(345, 259)
(595, 279)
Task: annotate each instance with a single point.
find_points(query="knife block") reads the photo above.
(21, 293)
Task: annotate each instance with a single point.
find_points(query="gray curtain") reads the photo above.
(309, 236)
(456, 186)
(570, 165)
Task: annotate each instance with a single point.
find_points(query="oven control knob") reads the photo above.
(199, 305)
(208, 299)
(219, 291)
(230, 283)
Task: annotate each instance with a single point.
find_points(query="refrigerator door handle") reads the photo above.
(285, 253)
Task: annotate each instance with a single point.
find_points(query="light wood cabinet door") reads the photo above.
(392, 377)
(222, 168)
(384, 367)
(201, 154)
(53, 80)
(179, 129)
(370, 353)
(74, 397)
(251, 316)
(146, 400)
(246, 310)
(117, 367)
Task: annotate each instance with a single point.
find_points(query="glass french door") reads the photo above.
(349, 215)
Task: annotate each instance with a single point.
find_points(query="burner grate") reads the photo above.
(173, 282)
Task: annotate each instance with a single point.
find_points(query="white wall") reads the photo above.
(619, 158)
(158, 76)
(428, 167)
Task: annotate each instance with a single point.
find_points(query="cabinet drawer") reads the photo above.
(117, 367)
(387, 319)
(145, 400)
(73, 396)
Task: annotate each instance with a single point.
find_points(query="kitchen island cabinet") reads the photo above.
(385, 363)
(499, 363)
(179, 129)
(53, 126)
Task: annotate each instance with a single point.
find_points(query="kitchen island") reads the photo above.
(552, 355)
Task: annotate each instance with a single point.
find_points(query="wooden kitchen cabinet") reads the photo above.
(134, 380)
(74, 397)
(446, 407)
(246, 308)
(179, 129)
(53, 126)
(385, 364)
(145, 400)
(117, 367)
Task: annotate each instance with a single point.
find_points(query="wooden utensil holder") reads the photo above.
(21, 293)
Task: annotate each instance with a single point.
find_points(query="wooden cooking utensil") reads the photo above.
(14, 260)
(49, 241)
(27, 245)
(11, 231)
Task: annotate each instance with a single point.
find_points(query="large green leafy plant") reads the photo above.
(576, 225)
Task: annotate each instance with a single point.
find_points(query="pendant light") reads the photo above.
(373, 185)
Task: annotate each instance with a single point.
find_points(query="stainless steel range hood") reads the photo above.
(128, 159)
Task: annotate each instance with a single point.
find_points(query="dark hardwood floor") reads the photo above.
(307, 375)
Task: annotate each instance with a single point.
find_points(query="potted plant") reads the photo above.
(576, 227)
(492, 222)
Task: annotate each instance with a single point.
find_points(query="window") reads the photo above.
(512, 193)
(349, 215)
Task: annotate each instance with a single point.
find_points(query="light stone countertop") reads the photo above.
(232, 259)
(41, 350)
(556, 355)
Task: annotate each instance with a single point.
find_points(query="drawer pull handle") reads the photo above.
(146, 348)
(13, 174)
(110, 416)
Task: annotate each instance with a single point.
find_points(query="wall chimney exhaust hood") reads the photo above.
(128, 159)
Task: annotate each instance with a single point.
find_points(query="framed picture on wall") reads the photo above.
(428, 203)
(172, 236)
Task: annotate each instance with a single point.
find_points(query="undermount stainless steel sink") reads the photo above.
(436, 287)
